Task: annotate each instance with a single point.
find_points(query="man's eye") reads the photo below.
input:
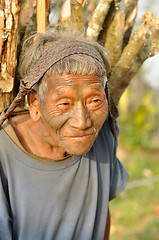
(95, 102)
(63, 105)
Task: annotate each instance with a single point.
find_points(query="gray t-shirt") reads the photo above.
(67, 199)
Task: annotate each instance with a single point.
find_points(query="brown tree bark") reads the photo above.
(8, 38)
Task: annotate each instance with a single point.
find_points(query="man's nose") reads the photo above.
(80, 117)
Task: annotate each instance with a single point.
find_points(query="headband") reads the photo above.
(51, 56)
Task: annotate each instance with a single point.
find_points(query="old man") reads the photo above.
(58, 164)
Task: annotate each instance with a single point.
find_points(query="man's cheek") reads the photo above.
(57, 122)
(99, 118)
(52, 112)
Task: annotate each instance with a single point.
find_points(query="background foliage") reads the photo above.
(135, 212)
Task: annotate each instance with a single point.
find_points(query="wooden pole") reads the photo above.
(41, 16)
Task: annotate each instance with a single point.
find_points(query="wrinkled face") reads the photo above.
(74, 110)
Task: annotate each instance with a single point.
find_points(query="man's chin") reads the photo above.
(79, 150)
(78, 145)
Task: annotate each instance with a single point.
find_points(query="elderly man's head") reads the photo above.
(65, 78)
(70, 97)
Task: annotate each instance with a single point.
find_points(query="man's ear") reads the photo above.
(33, 102)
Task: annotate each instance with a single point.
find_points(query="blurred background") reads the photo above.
(135, 212)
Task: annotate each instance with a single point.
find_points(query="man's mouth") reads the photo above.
(81, 137)
(81, 134)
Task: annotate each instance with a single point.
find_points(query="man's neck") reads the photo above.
(31, 137)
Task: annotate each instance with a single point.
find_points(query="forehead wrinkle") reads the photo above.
(61, 90)
(98, 88)
(88, 78)
(70, 89)
(70, 80)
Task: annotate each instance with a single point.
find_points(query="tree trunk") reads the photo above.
(9, 14)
